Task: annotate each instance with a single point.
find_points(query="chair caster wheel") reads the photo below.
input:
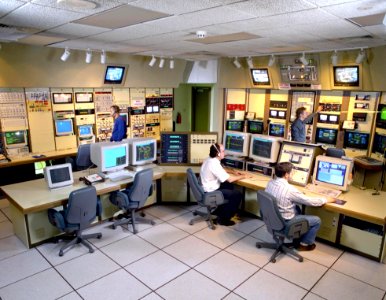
(142, 214)
(191, 223)
(194, 213)
(99, 236)
(91, 250)
(152, 223)
(61, 253)
(301, 259)
(114, 226)
(273, 261)
(258, 245)
(212, 227)
(135, 231)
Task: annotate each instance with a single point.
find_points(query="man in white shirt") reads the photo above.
(214, 177)
(288, 196)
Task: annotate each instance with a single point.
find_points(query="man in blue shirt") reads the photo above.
(298, 127)
(119, 129)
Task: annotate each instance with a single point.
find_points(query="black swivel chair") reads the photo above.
(335, 152)
(209, 201)
(279, 228)
(134, 198)
(83, 207)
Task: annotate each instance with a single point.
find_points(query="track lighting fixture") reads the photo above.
(250, 62)
(171, 63)
(103, 57)
(88, 56)
(237, 63)
(152, 61)
(161, 63)
(334, 58)
(66, 54)
(271, 60)
(361, 56)
(303, 59)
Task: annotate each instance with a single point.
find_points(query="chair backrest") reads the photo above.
(82, 207)
(83, 157)
(141, 188)
(271, 214)
(335, 152)
(196, 188)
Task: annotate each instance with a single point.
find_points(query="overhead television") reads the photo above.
(236, 143)
(15, 139)
(64, 127)
(260, 77)
(276, 129)
(332, 172)
(356, 140)
(142, 151)
(254, 126)
(235, 125)
(379, 144)
(110, 157)
(114, 74)
(381, 116)
(58, 176)
(326, 136)
(346, 77)
(264, 148)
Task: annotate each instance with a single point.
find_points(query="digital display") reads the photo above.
(346, 76)
(114, 74)
(155, 109)
(282, 114)
(379, 144)
(261, 147)
(255, 127)
(174, 148)
(357, 140)
(326, 136)
(149, 109)
(234, 142)
(85, 130)
(273, 113)
(332, 173)
(83, 97)
(62, 98)
(113, 157)
(145, 151)
(64, 127)
(60, 174)
(14, 138)
(276, 130)
(333, 118)
(323, 118)
(260, 77)
(381, 116)
(235, 125)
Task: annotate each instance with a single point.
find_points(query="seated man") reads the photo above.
(287, 196)
(214, 177)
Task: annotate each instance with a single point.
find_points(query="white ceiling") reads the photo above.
(274, 26)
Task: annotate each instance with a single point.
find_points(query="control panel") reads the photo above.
(104, 126)
(137, 122)
(199, 146)
(13, 111)
(260, 168)
(174, 148)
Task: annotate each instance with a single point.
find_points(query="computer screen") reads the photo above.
(332, 172)
(264, 148)
(235, 125)
(110, 157)
(174, 148)
(356, 140)
(276, 129)
(84, 97)
(326, 136)
(254, 126)
(260, 76)
(322, 118)
(85, 130)
(62, 98)
(114, 74)
(273, 113)
(379, 144)
(58, 175)
(236, 143)
(333, 119)
(381, 116)
(346, 76)
(64, 127)
(142, 151)
(15, 139)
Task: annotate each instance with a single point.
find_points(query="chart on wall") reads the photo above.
(302, 99)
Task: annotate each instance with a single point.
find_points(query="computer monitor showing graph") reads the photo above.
(142, 151)
(326, 136)
(110, 157)
(255, 126)
(15, 139)
(236, 143)
(356, 140)
(379, 144)
(264, 148)
(276, 129)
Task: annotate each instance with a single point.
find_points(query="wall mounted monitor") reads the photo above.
(346, 76)
(260, 77)
(62, 98)
(174, 147)
(235, 125)
(254, 126)
(381, 116)
(85, 131)
(58, 176)
(236, 143)
(86, 97)
(379, 144)
(64, 127)
(15, 139)
(326, 136)
(277, 114)
(114, 74)
(276, 129)
(264, 148)
(328, 119)
(356, 140)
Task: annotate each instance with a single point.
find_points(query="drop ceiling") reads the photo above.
(168, 27)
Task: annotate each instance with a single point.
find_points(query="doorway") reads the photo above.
(201, 108)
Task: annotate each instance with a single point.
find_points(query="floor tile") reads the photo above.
(152, 296)
(2, 217)
(232, 296)
(311, 296)
(263, 234)
(71, 296)
(128, 250)
(119, 284)
(183, 251)
(21, 266)
(109, 235)
(361, 268)
(166, 212)
(162, 235)
(182, 222)
(248, 225)
(192, 285)
(86, 268)
(221, 237)
(6, 229)
(338, 286)
(264, 285)
(11, 246)
(304, 274)
(227, 269)
(44, 285)
(323, 254)
(157, 269)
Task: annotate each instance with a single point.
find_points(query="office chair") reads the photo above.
(82, 208)
(133, 198)
(83, 160)
(210, 201)
(279, 228)
(335, 152)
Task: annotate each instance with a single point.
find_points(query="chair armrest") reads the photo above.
(119, 199)
(214, 198)
(296, 227)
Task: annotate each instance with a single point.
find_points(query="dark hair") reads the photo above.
(299, 111)
(115, 108)
(283, 168)
(214, 150)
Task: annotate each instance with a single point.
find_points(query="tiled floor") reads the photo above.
(173, 260)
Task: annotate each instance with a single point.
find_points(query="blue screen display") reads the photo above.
(85, 130)
(114, 156)
(63, 127)
(114, 74)
(332, 173)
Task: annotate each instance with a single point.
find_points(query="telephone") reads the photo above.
(91, 179)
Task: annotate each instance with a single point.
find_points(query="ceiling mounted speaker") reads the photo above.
(161, 63)
(334, 58)
(237, 63)
(152, 61)
(66, 54)
(88, 56)
(250, 62)
(361, 56)
(103, 57)
(303, 59)
(171, 63)
(271, 61)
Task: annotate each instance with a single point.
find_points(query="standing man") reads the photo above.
(214, 177)
(287, 196)
(119, 129)
(298, 127)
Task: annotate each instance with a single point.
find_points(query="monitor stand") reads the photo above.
(142, 167)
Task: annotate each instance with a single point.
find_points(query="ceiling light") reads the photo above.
(250, 62)
(237, 63)
(271, 60)
(103, 57)
(171, 63)
(361, 56)
(161, 63)
(303, 59)
(152, 61)
(334, 58)
(88, 56)
(66, 54)
(76, 4)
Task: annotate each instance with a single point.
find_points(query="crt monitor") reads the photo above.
(236, 143)
(381, 116)
(15, 139)
(260, 77)
(332, 172)
(110, 157)
(255, 126)
(58, 175)
(346, 76)
(114, 74)
(326, 136)
(264, 148)
(142, 151)
(85, 130)
(356, 140)
(379, 144)
(64, 127)
(235, 125)
(276, 129)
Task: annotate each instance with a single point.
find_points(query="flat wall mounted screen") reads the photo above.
(64, 127)
(276, 129)
(85, 131)
(15, 139)
(62, 98)
(255, 126)
(58, 176)
(236, 143)
(356, 140)
(234, 125)
(381, 116)
(379, 144)
(83, 97)
(346, 76)
(174, 148)
(260, 77)
(326, 136)
(114, 74)
(264, 148)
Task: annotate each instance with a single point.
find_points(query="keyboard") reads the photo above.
(121, 175)
(317, 189)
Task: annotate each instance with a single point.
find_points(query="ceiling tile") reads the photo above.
(41, 39)
(77, 30)
(7, 6)
(357, 9)
(225, 38)
(101, 5)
